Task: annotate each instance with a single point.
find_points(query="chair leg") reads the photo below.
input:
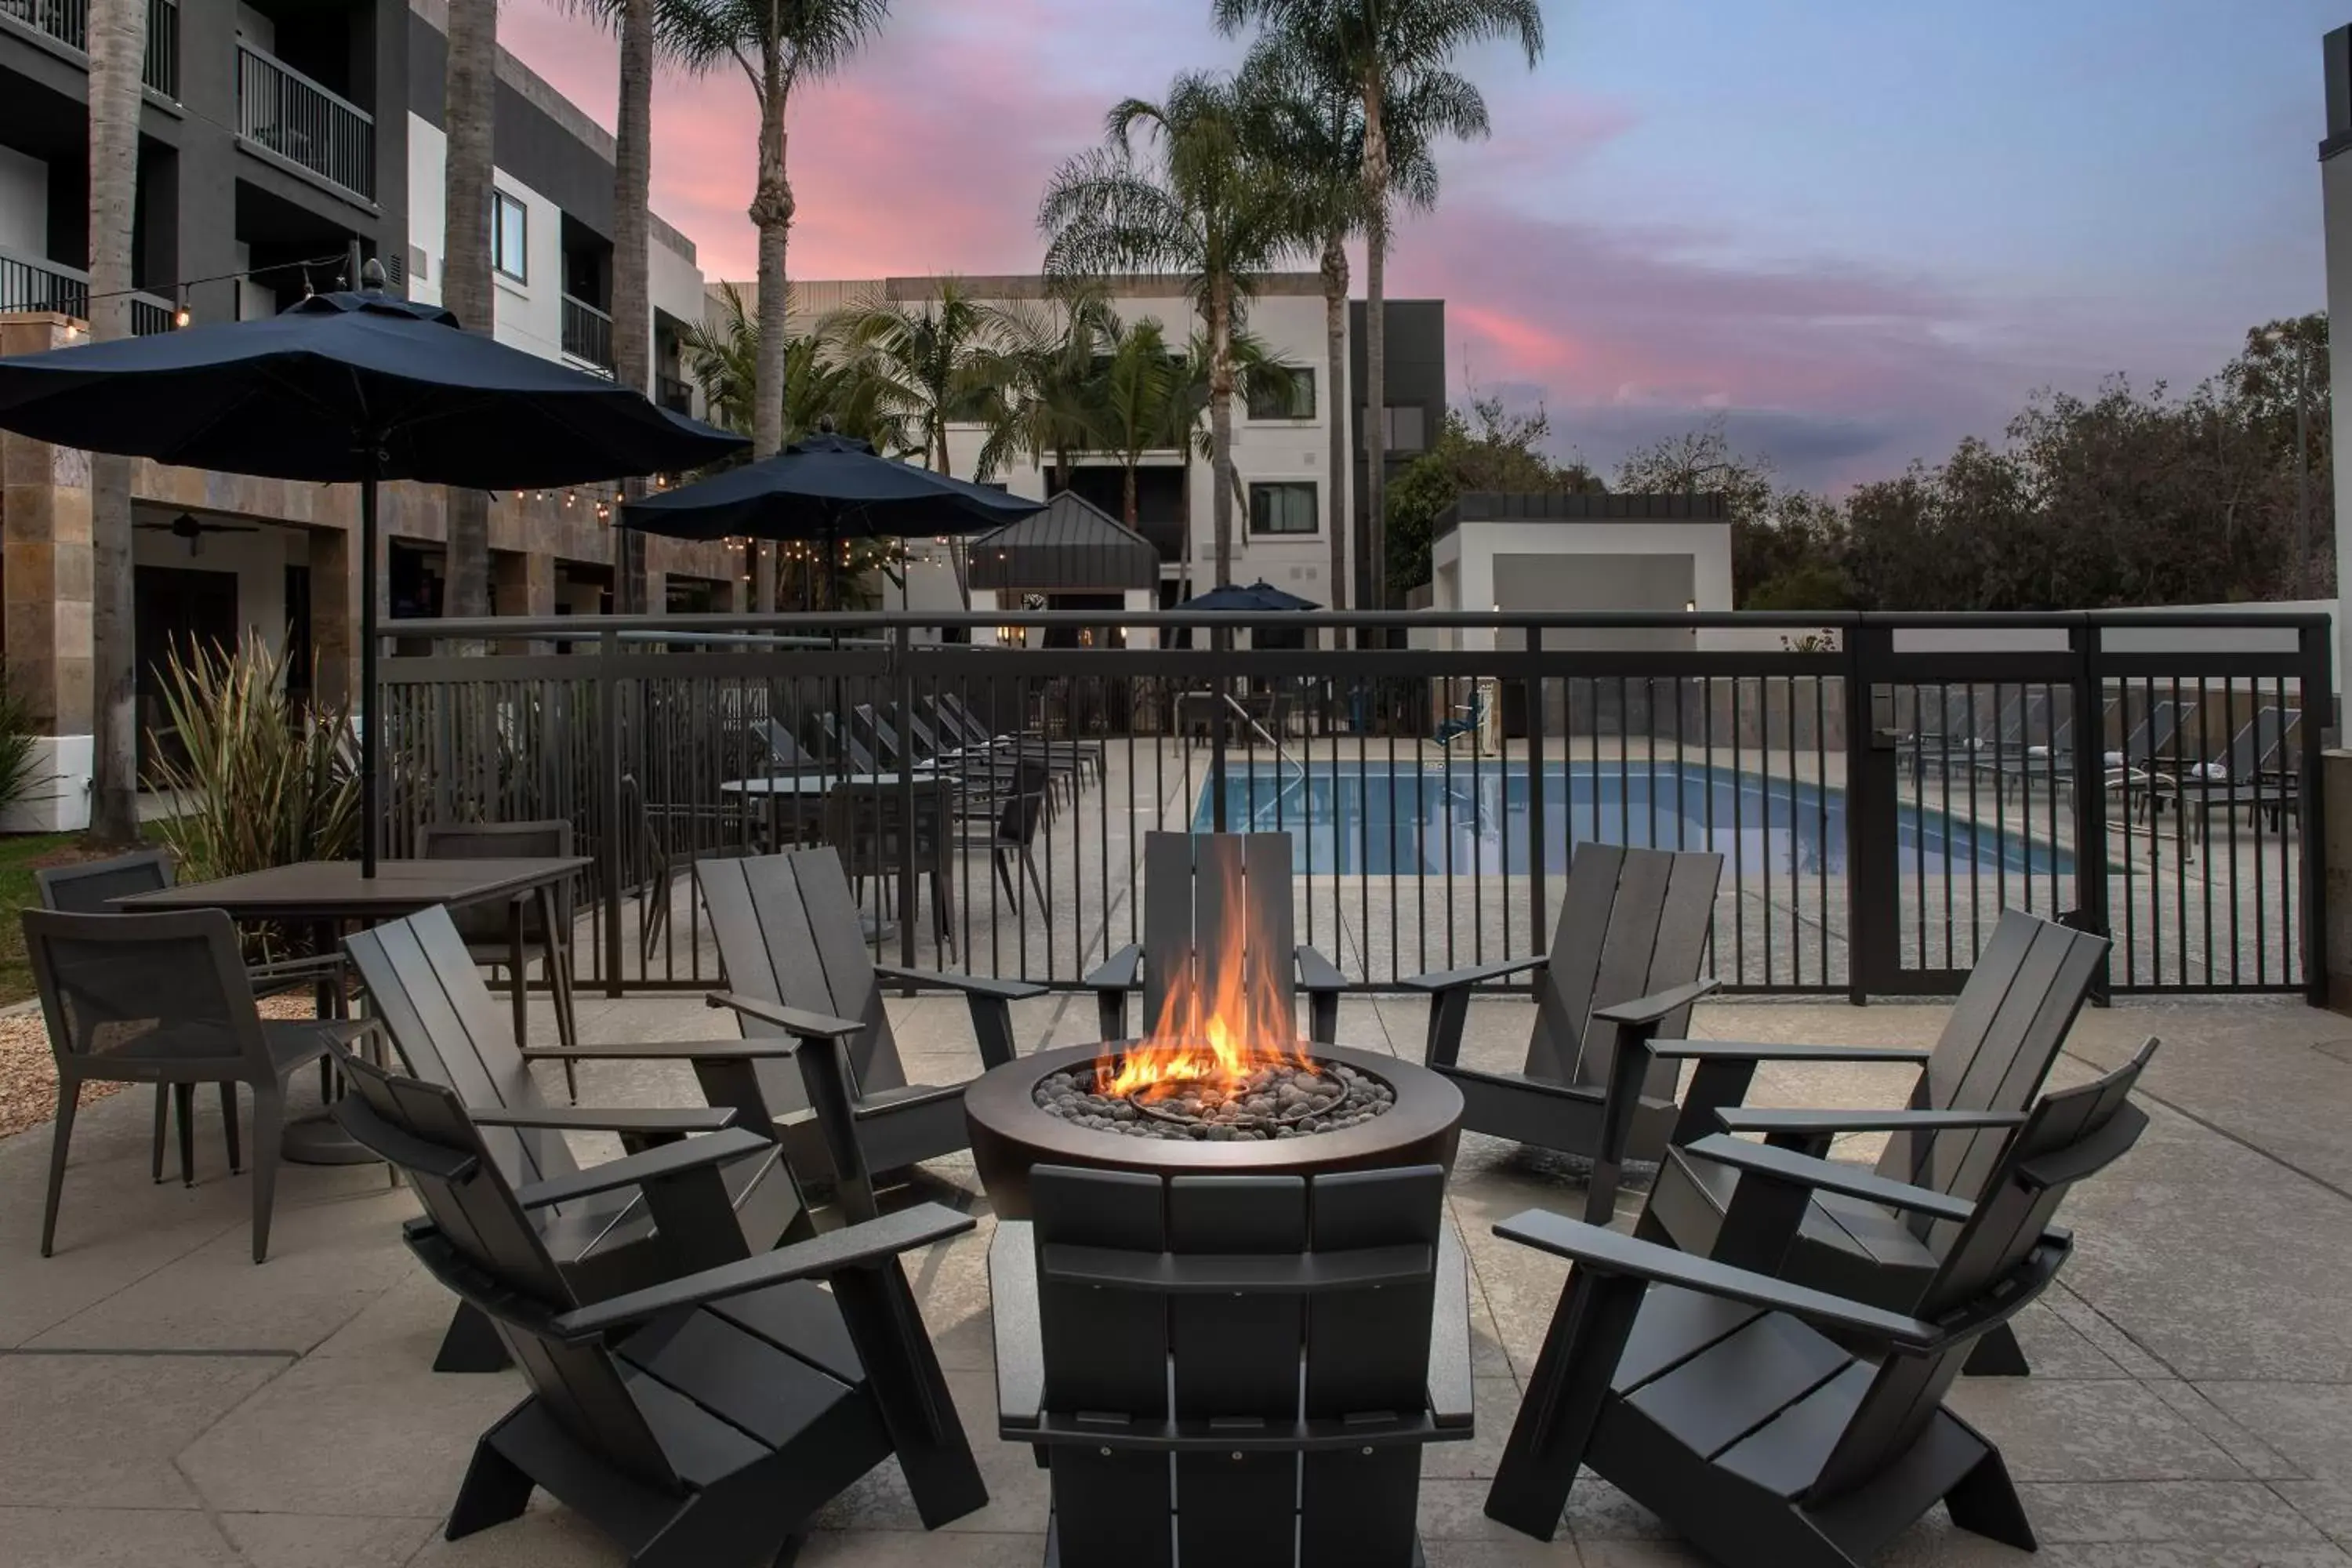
(1985, 1503)
(1029, 865)
(495, 1490)
(163, 1126)
(61, 1135)
(268, 1130)
(184, 1100)
(1003, 877)
(228, 1127)
(567, 1026)
(1997, 1354)
(470, 1343)
(1564, 1401)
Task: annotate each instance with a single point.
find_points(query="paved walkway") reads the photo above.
(163, 1400)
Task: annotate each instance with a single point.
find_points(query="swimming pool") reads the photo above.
(1396, 819)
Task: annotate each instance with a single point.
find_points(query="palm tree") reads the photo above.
(1200, 201)
(1145, 405)
(945, 362)
(1055, 389)
(117, 48)
(471, 91)
(723, 360)
(1398, 54)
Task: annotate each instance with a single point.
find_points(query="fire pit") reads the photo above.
(1305, 1109)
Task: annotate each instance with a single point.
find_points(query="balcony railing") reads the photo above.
(67, 22)
(673, 394)
(587, 334)
(28, 284)
(283, 110)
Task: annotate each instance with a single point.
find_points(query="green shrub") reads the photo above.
(20, 739)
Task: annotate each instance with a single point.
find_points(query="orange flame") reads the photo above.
(1221, 1020)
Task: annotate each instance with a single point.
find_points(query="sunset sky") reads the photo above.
(1858, 229)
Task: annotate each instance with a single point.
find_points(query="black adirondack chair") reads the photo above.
(1631, 936)
(428, 993)
(701, 1422)
(2004, 1032)
(788, 937)
(90, 888)
(1236, 1283)
(1196, 888)
(1726, 1400)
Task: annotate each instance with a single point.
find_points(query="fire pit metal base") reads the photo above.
(1009, 1133)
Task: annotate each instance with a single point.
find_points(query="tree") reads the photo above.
(1398, 54)
(1181, 186)
(1054, 388)
(945, 362)
(468, 115)
(777, 44)
(1146, 405)
(722, 359)
(117, 48)
(1787, 544)
(1490, 449)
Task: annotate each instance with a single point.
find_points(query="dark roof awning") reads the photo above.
(1071, 545)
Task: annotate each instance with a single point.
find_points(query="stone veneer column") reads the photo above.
(45, 558)
(522, 583)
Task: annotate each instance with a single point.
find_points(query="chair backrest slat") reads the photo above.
(1631, 922)
(1212, 899)
(450, 1031)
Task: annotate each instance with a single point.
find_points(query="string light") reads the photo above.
(181, 317)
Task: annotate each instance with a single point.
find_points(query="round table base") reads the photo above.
(315, 1140)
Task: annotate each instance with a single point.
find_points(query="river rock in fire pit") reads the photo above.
(1289, 1101)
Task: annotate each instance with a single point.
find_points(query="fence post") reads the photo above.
(1873, 904)
(1220, 640)
(1536, 843)
(2090, 785)
(2317, 645)
(608, 802)
(902, 679)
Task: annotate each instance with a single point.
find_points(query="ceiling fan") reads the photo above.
(186, 526)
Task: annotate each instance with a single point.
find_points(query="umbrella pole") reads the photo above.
(369, 823)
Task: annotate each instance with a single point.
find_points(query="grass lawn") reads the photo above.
(20, 854)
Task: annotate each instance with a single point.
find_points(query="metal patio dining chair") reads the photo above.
(513, 935)
(164, 999)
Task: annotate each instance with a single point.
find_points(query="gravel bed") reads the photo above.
(28, 1072)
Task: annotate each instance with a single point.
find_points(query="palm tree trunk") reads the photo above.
(633, 157)
(471, 93)
(1376, 339)
(118, 45)
(771, 212)
(1220, 423)
(1126, 495)
(1340, 519)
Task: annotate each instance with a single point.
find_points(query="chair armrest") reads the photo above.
(1020, 1333)
(317, 965)
(1826, 1176)
(665, 1051)
(970, 985)
(1452, 1400)
(1122, 971)
(1644, 1011)
(1454, 979)
(791, 1020)
(636, 1170)
(836, 1252)
(641, 1122)
(1775, 1122)
(1607, 1252)
(1767, 1052)
(1317, 972)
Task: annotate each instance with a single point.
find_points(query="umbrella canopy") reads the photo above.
(350, 387)
(316, 392)
(826, 488)
(1260, 596)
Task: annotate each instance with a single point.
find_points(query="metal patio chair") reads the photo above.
(702, 1421)
(513, 935)
(164, 999)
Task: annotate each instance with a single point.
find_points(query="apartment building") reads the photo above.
(275, 135)
(1283, 515)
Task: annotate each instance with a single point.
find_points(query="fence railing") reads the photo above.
(67, 22)
(587, 334)
(27, 283)
(1880, 787)
(283, 110)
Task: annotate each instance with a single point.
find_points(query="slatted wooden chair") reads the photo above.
(1726, 1400)
(701, 1422)
(428, 993)
(1997, 1047)
(1631, 937)
(1319, 1337)
(792, 948)
(1197, 887)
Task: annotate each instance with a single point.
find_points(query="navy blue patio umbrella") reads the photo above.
(351, 387)
(1261, 596)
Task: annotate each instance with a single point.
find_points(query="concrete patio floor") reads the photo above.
(164, 1401)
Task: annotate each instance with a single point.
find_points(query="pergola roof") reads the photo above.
(1072, 545)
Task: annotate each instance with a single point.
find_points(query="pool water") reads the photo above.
(1396, 820)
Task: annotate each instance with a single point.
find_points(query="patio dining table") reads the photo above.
(331, 895)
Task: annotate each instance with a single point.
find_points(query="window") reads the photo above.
(509, 236)
(1404, 429)
(1286, 508)
(1295, 400)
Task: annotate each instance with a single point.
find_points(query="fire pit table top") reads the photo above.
(1010, 1132)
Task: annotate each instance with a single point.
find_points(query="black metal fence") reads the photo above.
(1880, 787)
